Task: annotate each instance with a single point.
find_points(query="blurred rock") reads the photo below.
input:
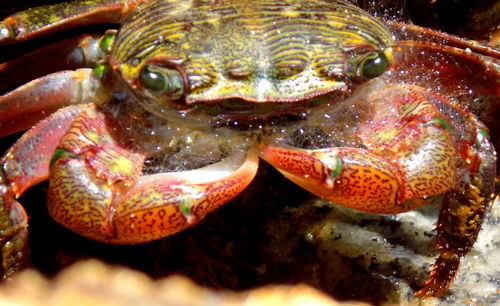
(383, 259)
(94, 283)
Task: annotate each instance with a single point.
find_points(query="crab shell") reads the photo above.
(226, 60)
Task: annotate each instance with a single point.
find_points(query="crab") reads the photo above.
(169, 121)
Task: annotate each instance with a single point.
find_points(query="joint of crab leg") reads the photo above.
(28, 104)
(461, 216)
(107, 40)
(26, 163)
(92, 49)
(46, 19)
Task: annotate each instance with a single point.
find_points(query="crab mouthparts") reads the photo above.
(249, 115)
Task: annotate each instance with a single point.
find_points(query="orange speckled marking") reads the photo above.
(423, 152)
(78, 200)
(365, 182)
(154, 208)
(84, 180)
(149, 213)
(429, 165)
(298, 162)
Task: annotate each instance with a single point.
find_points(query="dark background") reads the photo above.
(454, 16)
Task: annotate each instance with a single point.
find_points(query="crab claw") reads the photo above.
(163, 204)
(348, 176)
(96, 188)
(382, 176)
(412, 153)
(153, 207)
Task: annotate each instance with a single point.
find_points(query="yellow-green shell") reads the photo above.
(256, 50)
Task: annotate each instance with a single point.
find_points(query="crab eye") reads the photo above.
(162, 80)
(153, 80)
(372, 65)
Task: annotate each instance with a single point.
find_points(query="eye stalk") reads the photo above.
(372, 64)
(162, 81)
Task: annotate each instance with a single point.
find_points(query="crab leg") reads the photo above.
(50, 18)
(406, 32)
(96, 188)
(13, 231)
(461, 217)
(77, 52)
(452, 71)
(25, 164)
(465, 206)
(23, 107)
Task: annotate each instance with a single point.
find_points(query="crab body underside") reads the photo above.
(185, 97)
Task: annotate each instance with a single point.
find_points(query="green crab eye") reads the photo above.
(153, 80)
(372, 65)
(162, 80)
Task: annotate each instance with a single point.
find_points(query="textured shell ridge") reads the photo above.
(258, 50)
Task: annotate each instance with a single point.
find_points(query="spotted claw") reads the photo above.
(97, 188)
